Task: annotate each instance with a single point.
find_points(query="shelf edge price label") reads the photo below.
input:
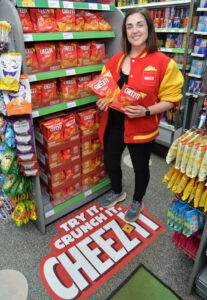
(105, 6)
(92, 6)
(28, 3)
(164, 30)
(70, 72)
(35, 114)
(49, 213)
(67, 35)
(67, 4)
(32, 78)
(53, 3)
(87, 193)
(28, 37)
(71, 104)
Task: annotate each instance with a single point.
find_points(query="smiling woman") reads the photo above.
(142, 68)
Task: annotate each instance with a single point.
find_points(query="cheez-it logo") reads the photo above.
(149, 76)
(93, 245)
(150, 68)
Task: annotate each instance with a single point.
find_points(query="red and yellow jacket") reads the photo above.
(158, 76)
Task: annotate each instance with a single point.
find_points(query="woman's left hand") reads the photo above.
(135, 111)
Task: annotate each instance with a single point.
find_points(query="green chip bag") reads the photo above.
(10, 180)
(8, 158)
(15, 167)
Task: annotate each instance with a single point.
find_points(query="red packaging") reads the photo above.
(46, 54)
(102, 24)
(53, 129)
(79, 20)
(84, 53)
(36, 94)
(90, 21)
(86, 119)
(97, 52)
(45, 20)
(25, 19)
(69, 126)
(66, 154)
(68, 88)
(49, 91)
(84, 90)
(65, 19)
(31, 60)
(68, 55)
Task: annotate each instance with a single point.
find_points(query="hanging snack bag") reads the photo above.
(36, 94)
(169, 174)
(31, 60)
(84, 54)
(19, 103)
(176, 183)
(15, 167)
(198, 193)
(127, 96)
(97, 52)
(7, 160)
(84, 90)
(182, 184)
(65, 19)
(49, 91)
(192, 194)
(46, 55)
(203, 198)
(69, 126)
(198, 158)
(90, 21)
(2, 105)
(10, 71)
(102, 24)
(45, 20)
(105, 87)
(68, 55)
(10, 180)
(9, 135)
(22, 125)
(25, 19)
(188, 189)
(193, 153)
(203, 168)
(79, 20)
(68, 88)
(173, 178)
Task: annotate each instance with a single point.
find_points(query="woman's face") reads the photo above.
(137, 30)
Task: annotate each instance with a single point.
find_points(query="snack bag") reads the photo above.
(33, 16)
(198, 158)
(7, 160)
(181, 148)
(198, 193)
(205, 205)
(46, 54)
(49, 91)
(188, 189)
(191, 160)
(84, 90)
(65, 19)
(169, 174)
(127, 96)
(69, 126)
(203, 198)
(9, 135)
(203, 168)
(25, 19)
(105, 87)
(2, 105)
(177, 182)
(182, 184)
(22, 125)
(19, 214)
(20, 102)
(68, 55)
(181, 217)
(193, 222)
(86, 119)
(68, 88)
(10, 71)
(31, 60)
(173, 178)
(79, 20)
(175, 207)
(84, 53)
(90, 21)
(192, 194)
(45, 20)
(36, 94)
(97, 52)
(53, 129)
(102, 24)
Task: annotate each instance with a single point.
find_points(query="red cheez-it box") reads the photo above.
(53, 129)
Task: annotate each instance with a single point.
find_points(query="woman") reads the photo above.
(143, 68)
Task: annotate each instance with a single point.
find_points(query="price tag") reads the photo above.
(70, 72)
(87, 193)
(164, 30)
(53, 3)
(180, 30)
(105, 7)
(32, 78)
(49, 213)
(67, 35)
(71, 104)
(92, 6)
(35, 114)
(28, 37)
(28, 3)
(67, 4)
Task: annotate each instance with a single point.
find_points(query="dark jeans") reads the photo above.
(140, 154)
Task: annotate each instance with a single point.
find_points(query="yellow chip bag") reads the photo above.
(198, 158)
(203, 168)
(188, 189)
(203, 198)
(169, 174)
(177, 183)
(192, 194)
(193, 153)
(173, 178)
(198, 193)
(182, 184)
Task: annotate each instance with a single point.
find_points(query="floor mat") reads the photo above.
(92, 246)
(143, 285)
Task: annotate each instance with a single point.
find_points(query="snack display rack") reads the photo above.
(46, 212)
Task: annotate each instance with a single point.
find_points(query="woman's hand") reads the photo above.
(102, 105)
(135, 111)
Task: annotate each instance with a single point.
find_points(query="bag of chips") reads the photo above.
(25, 19)
(49, 91)
(68, 55)
(46, 55)
(69, 126)
(97, 52)
(86, 119)
(36, 94)
(31, 60)
(105, 87)
(65, 19)
(68, 88)
(84, 90)
(53, 129)
(79, 20)
(45, 20)
(7, 160)
(90, 21)
(84, 53)
(102, 24)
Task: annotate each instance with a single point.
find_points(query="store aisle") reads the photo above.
(22, 249)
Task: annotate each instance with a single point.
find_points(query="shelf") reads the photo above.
(197, 55)
(194, 75)
(195, 95)
(157, 4)
(52, 214)
(33, 37)
(200, 32)
(65, 72)
(201, 9)
(180, 66)
(62, 106)
(165, 125)
(175, 30)
(64, 4)
(173, 50)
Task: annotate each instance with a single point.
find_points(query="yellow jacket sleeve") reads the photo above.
(172, 83)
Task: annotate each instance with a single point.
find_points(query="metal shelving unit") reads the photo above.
(157, 4)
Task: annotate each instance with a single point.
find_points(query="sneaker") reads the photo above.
(134, 211)
(111, 199)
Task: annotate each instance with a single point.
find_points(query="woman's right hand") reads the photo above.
(102, 105)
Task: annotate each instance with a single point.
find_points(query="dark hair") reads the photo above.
(152, 41)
